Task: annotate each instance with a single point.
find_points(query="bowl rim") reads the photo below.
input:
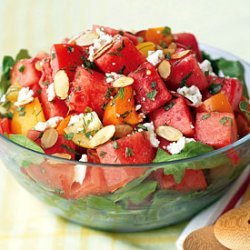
(213, 153)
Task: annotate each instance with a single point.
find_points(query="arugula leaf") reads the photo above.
(8, 63)
(191, 149)
(25, 142)
(22, 54)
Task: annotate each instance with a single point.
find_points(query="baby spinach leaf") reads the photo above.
(25, 142)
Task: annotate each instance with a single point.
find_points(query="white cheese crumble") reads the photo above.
(154, 57)
(51, 92)
(88, 122)
(177, 147)
(25, 96)
(138, 107)
(51, 123)
(80, 170)
(191, 93)
(152, 135)
(206, 66)
(111, 77)
(99, 43)
(3, 98)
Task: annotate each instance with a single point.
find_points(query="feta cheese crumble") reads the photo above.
(111, 77)
(138, 107)
(191, 93)
(177, 147)
(206, 66)
(80, 170)
(51, 92)
(152, 135)
(3, 99)
(99, 43)
(51, 123)
(154, 57)
(25, 96)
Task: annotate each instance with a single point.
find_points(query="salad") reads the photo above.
(109, 96)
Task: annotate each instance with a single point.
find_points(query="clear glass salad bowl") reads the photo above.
(138, 206)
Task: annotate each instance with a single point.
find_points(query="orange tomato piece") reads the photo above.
(122, 109)
(218, 102)
(62, 125)
(159, 35)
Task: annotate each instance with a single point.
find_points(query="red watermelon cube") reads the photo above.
(216, 129)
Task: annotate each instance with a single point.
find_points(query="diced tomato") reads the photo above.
(122, 57)
(216, 129)
(25, 73)
(186, 71)
(66, 57)
(5, 126)
(176, 114)
(190, 42)
(56, 107)
(114, 32)
(231, 87)
(193, 180)
(89, 89)
(132, 149)
(151, 92)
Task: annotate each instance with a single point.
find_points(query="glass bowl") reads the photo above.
(134, 207)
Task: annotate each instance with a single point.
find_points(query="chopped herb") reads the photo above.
(88, 135)
(69, 149)
(70, 49)
(102, 154)
(124, 115)
(53, 55)
(39, 91)
(184, 79)
(109, 93)
(69, 136)
(104, 105)
(21, 68)
(45, 83)
(166, 31)
(169, 106)
(121, 47)
(115, 145)
(168, 56)
(206, 116)
(21, 111)
(121, 93)
(88, 64)
(163, 45)
(151, 95)
(244, 106)
(37, 114)
(9, 115)
(225, 119)
(140, 126)
(153, 84)
(121, 70)
(214, 88)
(128, 152)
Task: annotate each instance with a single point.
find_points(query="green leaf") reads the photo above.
(151, 95)
(244, 107)
(215, 88)
(25, 142)
(22, 54)
(8, 63)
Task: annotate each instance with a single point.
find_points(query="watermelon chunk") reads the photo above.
(5, 126)
(151, 92)
(176, 114)
(216, 129)
(186, 71)
(193, 180)
(122, 57)
(89, 89)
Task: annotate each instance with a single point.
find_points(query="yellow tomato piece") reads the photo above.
(62, 125)
(144, 48)
(27, 117)
(160, 35)
(12, 93)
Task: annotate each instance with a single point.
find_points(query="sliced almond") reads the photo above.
(102, 136)
(87, 38)
(122, 130)
(169, 133)
(49, 138)
(164, 69)
(170, 49)
(38, 65)
(61, 84)
(123, 81)
(102, 50)
(180, 54)
(62, 155)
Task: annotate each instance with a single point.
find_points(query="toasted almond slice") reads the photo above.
(123, 81)
(164, 69)
(102, 50)
(102, 136)
(49, 138)
(169, 133)
(180, 54)
(122, 130)
(61, 84)
(38, 65)
(81, 140)
(62, 155)
(87, 38)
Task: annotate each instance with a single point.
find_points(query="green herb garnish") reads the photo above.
(128, 152)
(169, 106)
(206, 116)
(166, 31)
(215, 88)
(151, 95)
(184, 79)
(115, 145)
